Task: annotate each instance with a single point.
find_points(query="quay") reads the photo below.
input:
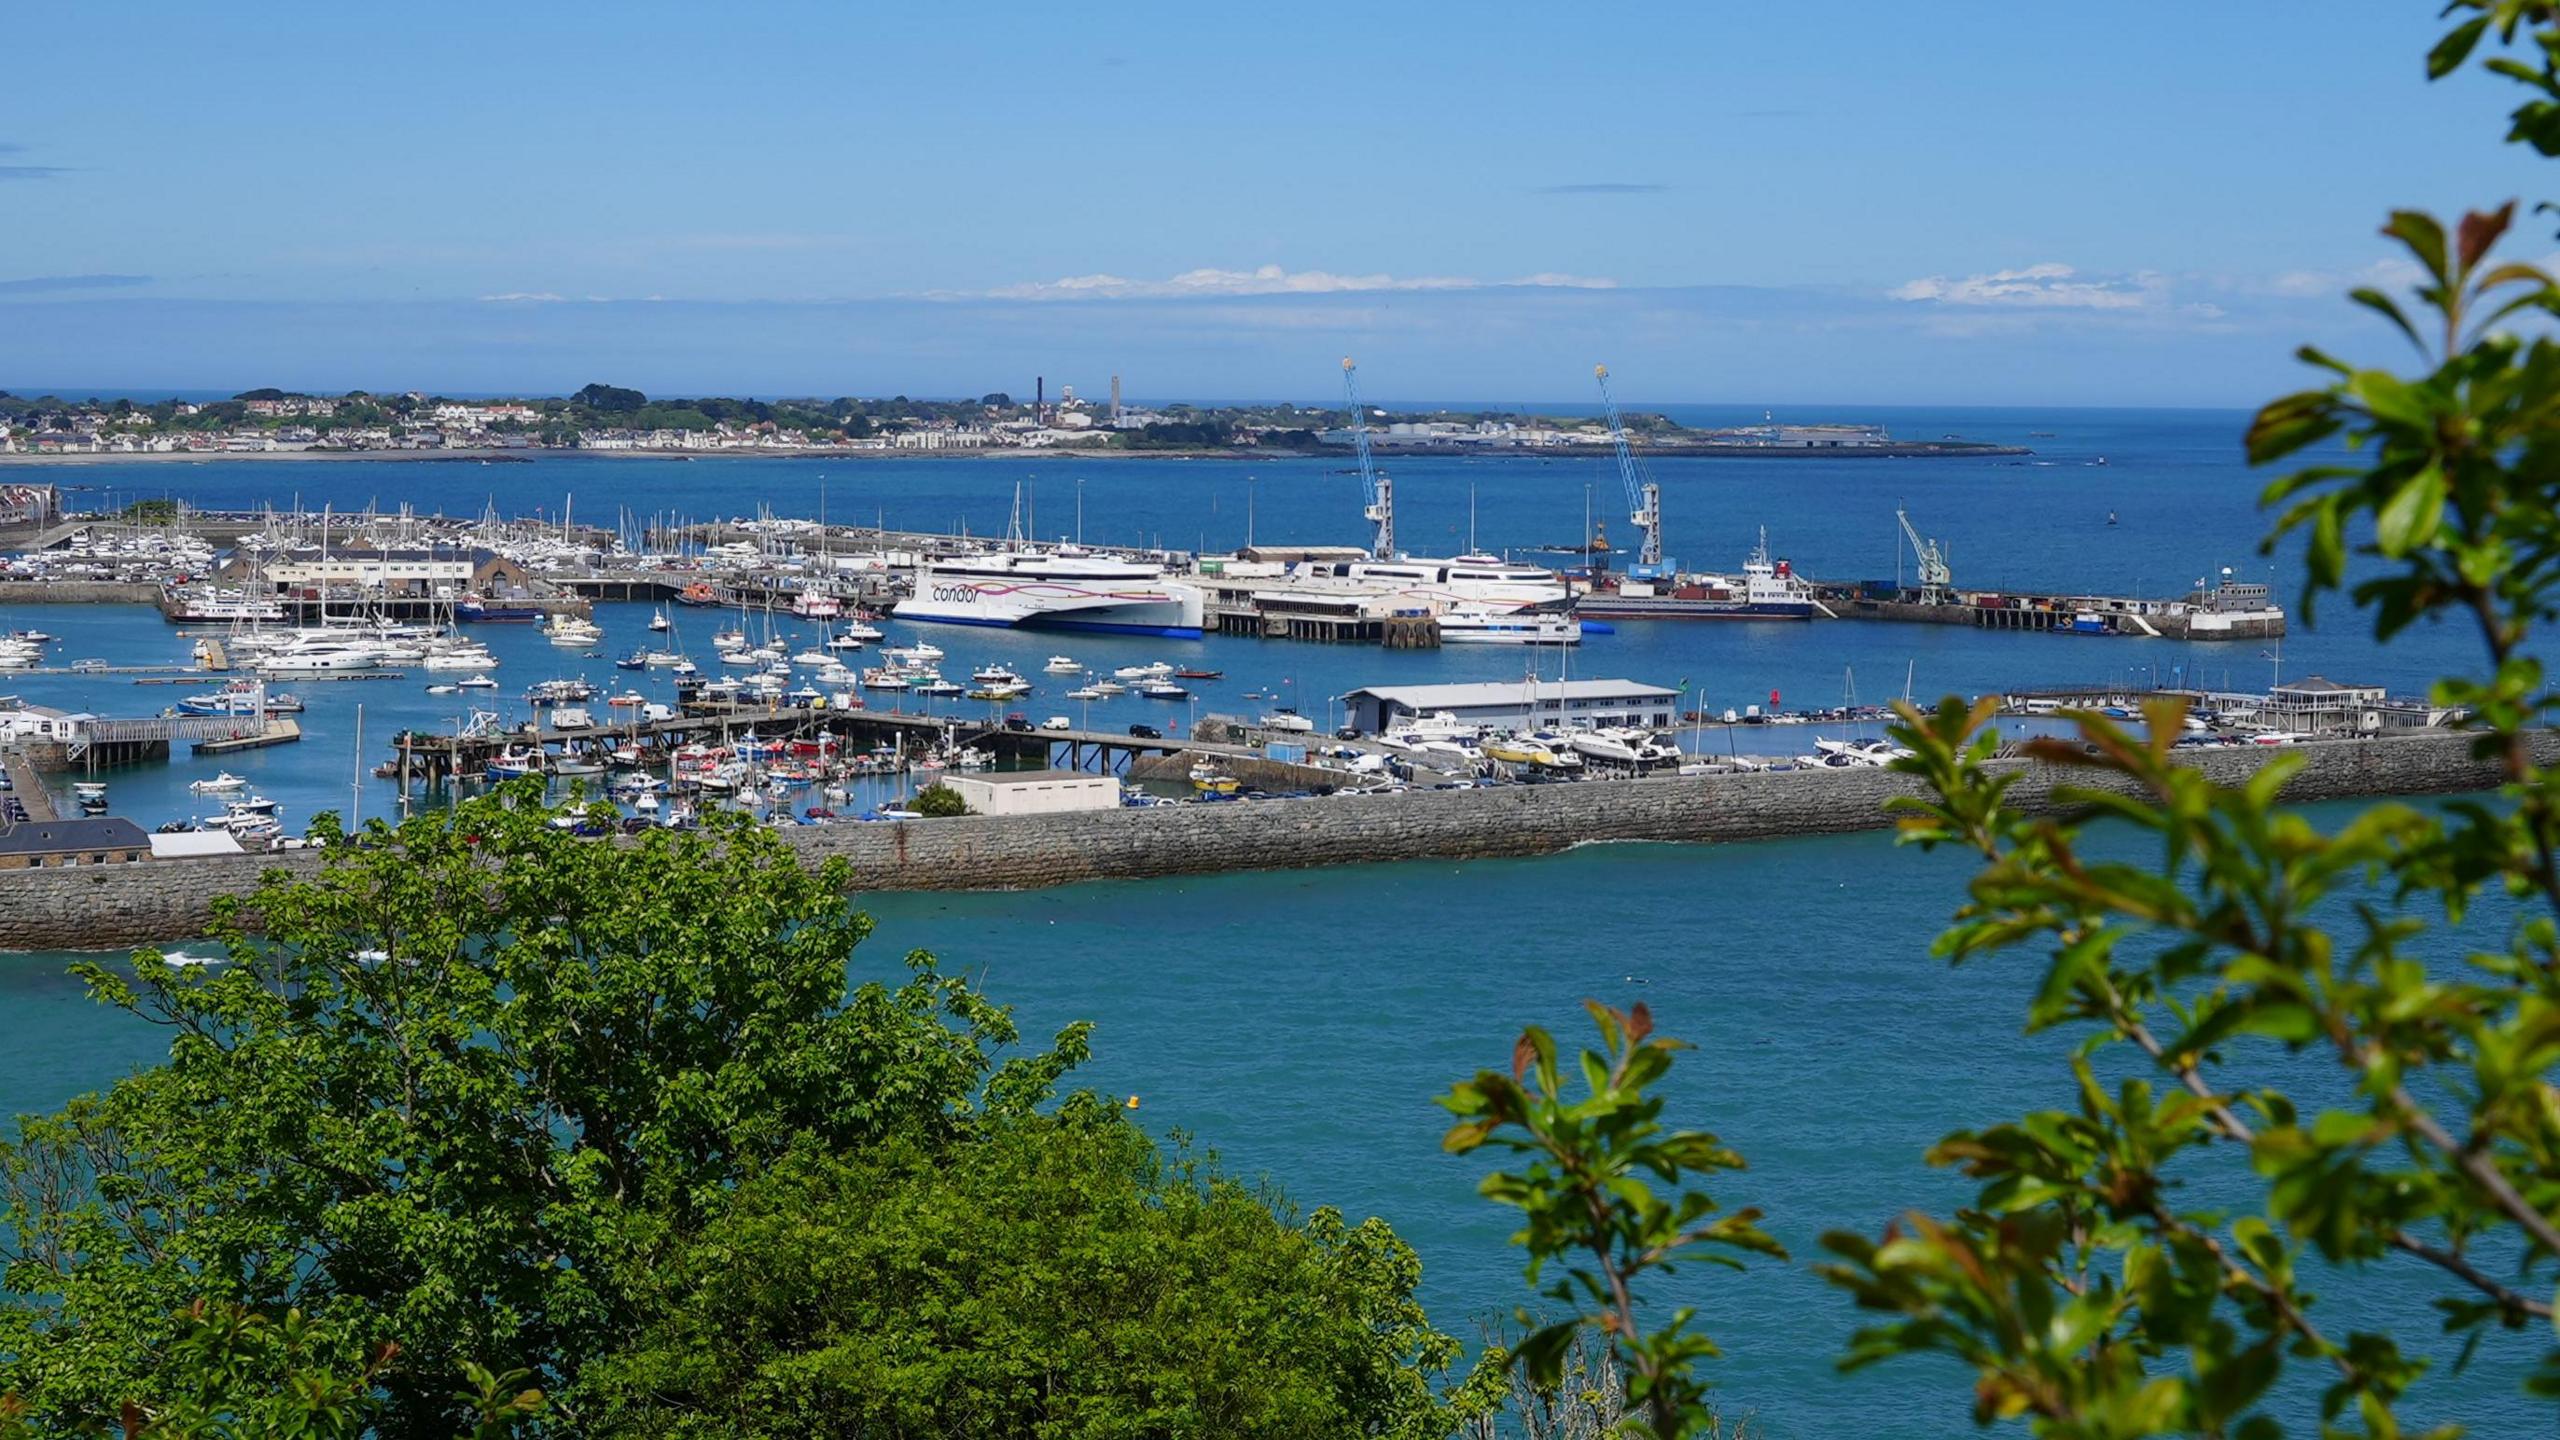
(114, 906)
(280, 730)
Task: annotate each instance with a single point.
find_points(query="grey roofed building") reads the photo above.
(1517, 703)
(91, 840)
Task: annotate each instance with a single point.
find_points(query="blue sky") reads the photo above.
(1987, 203)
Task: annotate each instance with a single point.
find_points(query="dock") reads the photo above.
(281, 730)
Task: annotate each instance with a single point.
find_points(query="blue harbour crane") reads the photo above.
(1376, 488)
(1644, 497)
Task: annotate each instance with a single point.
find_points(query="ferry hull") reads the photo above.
(1154, 609)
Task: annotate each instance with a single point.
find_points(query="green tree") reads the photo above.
(463, 1089)
(2345, 1034)
(938, 801)
(1062, 1278)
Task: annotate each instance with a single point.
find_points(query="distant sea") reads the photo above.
(1300, 1023)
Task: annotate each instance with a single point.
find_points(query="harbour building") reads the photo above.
(1517, 704)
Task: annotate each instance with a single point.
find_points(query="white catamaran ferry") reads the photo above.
(1065, 590)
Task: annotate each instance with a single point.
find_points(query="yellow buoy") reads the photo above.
(1133, 1102)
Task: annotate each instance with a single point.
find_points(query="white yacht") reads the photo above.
(1061, 590)
(1619, 745)
(1062, 665)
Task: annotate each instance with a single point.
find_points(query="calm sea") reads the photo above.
(1301, 1023)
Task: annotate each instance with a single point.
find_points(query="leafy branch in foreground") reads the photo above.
(2224, 955)
(1593, 1195)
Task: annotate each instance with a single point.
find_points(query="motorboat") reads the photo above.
(515, 762)
(659, 623)
(999, 690)
(1162, 690)
(1289, 721)
(842, 641)
(1063, 665)
(994, 675)
(936, 685)
(1084, 692)
(460, 657)
(638, 659)
(731, 639)
(224, 783)
(477, 682)
(1156, 671)
(919, 653)
(883, 678)
(1621, 745)
(858, 630)
(560, 692)
(570, 630)
(1189, 672)
(813, 657)
(1108, 687)
(1843, 753)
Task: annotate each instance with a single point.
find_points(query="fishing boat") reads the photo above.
(636, 660)
(514, 763)
(560, 692)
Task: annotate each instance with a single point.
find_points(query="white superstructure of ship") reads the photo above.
(1065, 589)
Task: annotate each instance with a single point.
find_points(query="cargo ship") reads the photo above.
(1767, 590)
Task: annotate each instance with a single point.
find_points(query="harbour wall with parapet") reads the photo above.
(77, 592)
(111, 907)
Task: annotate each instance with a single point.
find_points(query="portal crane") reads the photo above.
(1376, 488)
(1937, 580)
(1643, 496)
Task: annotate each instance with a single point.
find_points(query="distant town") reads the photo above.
(609, 419)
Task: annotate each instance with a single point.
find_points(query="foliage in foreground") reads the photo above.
(480, 1088)
(1061, 1279)
(2269, 1015)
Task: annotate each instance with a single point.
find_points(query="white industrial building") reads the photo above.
(1035, 792)
(1517, 704)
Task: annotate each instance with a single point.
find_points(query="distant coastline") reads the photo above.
(1888, 450)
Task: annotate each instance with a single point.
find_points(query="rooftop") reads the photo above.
(62, 837)
(1508, 692)
(1029, 777)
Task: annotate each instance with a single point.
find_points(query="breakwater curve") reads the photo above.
(116, 906)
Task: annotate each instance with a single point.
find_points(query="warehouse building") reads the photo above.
(1516, 704)
(1034, 792)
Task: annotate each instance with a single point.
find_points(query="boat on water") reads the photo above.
(884, 678)
(515, 762)
(1157, 670)
(816, 605)
(1192, 673)
(1084, 692)
(1063, 665)
(999, 690)
(569, 630)
(560, 692)
(1064, 589)
(1768, 590)
(1471, 626)
(698, 593)
(1162, 690)
(659, 623)
(241, 697)
(995, 675)
(918, 653)
(860, 631)
(1108, 687)
(935, 685)
(476, 682)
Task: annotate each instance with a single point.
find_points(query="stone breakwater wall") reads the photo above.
(77, 592)
(110, 907)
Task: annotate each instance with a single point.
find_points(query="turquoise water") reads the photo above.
(1301, 1023)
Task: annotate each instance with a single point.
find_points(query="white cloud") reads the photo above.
(524, 297)
(2046, 286)
(1262, 280)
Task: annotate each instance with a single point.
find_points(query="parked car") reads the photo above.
(1146, 732)
(1019, 724)
(1057, 722)
(1347, 732)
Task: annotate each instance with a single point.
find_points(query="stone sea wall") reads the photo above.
(111, 907)
(76, 592)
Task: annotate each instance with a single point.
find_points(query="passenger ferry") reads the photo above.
(1517, 627)
(1064, 590)
(1481, 582)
